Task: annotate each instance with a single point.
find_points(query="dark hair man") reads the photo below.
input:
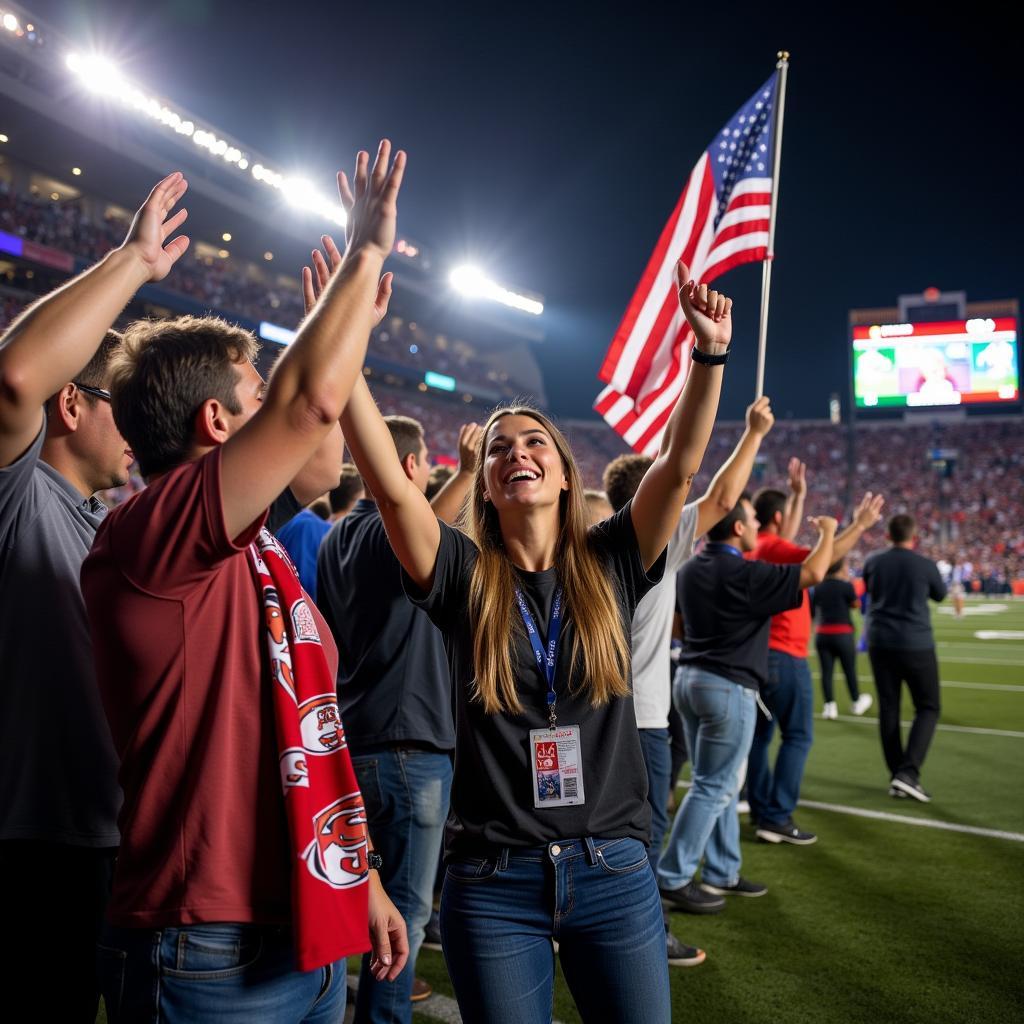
(787, 692)
(439, 476)
(652, 621)
(901, 646)
(59, 796)
(244, 875)
(394, 692)
(727, 602)
(350, 489)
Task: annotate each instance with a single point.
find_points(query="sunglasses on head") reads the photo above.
(98, 392)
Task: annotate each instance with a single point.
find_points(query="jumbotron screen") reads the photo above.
(948, 363)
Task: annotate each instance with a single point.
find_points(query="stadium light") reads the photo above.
(99, 75)
(10, 22)
(475, 284)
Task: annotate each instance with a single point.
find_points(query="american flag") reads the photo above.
(720, 221)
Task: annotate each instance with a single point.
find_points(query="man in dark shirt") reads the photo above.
(727, 603)
(901, 647)
(394, 693)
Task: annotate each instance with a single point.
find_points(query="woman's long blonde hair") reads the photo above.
(599, 644)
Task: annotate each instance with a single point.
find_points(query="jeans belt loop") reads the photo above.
(503, 859)
(591, 850)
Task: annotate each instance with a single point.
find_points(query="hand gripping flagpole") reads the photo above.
(766, 266)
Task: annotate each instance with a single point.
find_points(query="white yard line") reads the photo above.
(955, 683)
(975, 730)
(905, 819)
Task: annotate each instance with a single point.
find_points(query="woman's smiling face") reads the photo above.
(522, 466)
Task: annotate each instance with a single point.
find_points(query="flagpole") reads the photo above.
(766, 266)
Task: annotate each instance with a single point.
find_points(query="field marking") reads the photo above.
(955, 683)
(1014, 663)
(976, 730)
(904, 819)
(999, 634)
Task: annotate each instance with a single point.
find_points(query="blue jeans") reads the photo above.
(406, 797)
(718, 716)
(224, 973)
(658, 758)
(789, 696)
(596, 897)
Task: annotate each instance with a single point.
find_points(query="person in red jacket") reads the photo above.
(788, 694)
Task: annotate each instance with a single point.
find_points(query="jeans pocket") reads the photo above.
(622, 856)
(472, 869)
(206, 953)
(111, 964)
(367, 771)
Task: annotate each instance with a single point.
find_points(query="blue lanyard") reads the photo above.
(546, 660)
(717, 547)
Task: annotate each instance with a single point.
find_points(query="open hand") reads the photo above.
(709, 313)
(150, 228)
(759, 416)
(388, 937)
(797, 476)
(469, 441)
(371, 202)
(869, 511)
(314, 280)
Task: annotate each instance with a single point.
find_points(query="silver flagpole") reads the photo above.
(766, 266)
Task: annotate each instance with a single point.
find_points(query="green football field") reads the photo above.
(885, 920)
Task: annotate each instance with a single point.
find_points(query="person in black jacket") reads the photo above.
(831, 602)
(902, 649)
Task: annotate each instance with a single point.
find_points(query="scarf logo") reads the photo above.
(304, 624)
(320, 725)
(294, 770)
(338, 853)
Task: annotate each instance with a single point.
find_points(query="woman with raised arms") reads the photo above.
(549, 820)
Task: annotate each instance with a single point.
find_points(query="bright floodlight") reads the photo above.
(475, 284)
(10, 23)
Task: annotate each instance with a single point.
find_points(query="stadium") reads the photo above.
(906, 910)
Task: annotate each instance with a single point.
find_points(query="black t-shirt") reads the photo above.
(284, 507)
(727, 604)
(492, 791)
(831, 601)
(393, 682)
(899, 582)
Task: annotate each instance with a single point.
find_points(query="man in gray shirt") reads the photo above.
(59, 445)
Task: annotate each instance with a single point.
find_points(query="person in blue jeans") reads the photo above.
(727, 603)
(546, 838)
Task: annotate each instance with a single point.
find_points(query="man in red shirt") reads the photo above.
(209, 917)
(788, 694)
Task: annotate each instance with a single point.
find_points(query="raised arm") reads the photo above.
(729, 482)
(447, 503)
(816, 564)
(868, 512)
(408, 518)
(793, 513)
(313, 380)
(659, 498)
(56, 336)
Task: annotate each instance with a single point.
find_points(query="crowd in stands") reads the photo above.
(982, 505)
(227, 285)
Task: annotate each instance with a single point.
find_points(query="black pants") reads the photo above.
(919, 669)
(830, 647)
(54, 897)
(677, 738)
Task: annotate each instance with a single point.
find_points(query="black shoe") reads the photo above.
(743, 887)
(682, 955)
(908, 784)
(693, 899)
(432, 933)
(785, 833)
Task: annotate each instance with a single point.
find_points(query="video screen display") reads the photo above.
(934, 364)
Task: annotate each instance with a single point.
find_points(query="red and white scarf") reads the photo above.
(326, 817)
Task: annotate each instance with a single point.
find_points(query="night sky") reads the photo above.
(549, 143)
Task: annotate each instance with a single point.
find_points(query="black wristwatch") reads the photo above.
(375, 861)
(706, 359)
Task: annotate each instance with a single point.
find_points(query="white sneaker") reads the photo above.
(830, 711)
(862, 703)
